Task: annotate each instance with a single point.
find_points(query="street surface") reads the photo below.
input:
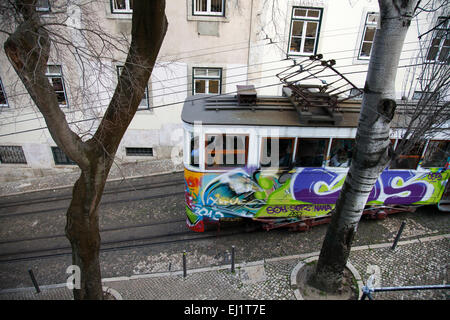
(143, 231)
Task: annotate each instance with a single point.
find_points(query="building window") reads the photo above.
(370, 27)
(12, 154)
(122, 6)
(277, 152)
(138, 152)
(311, 152)
(3, 99)
(43, 5)
(440, 43)
(226, 151)
(144, 105)
(60, 157)
(207, 80)
(54, 74)
(425, 96)
(305, 26)
(437, 154)
(209, 7)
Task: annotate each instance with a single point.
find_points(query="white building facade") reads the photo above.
(210, 47)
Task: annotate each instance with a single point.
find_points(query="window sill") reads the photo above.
(207, 18)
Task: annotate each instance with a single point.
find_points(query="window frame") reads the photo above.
(303, 37)
(12, 148)
(208, 11)
(139, 152)
(362, 41)
(3, 92)
(445, 28)
(60, 75)
(127, 10)
(146, 93)
(58, 153)
(207, 79)
(223, 166)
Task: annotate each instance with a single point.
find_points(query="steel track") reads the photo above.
(68, 196)
(184, 236)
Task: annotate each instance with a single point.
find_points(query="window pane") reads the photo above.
(200, 86)
(444, 54)
(277, 152)
(408, 160)
(365, 50)
(313, 13)
(199, 72)
(57, 84)
(341, 152)
(437, 154)
(370, 34)
(309, 45)
(213, 86)
(119, 4)
(226, 150)
(300, 12)
(54, 69)
(61, 97)
(295, 44)
(194, 158)
(297, 28)
(216, 5)
(311, 28)
(213, 72)
(311, 152)
(372, 18)
(3, 100)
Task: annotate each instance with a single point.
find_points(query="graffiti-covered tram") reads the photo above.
(264, 160)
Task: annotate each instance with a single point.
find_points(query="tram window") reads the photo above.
(436, 154)
(277, 152)
(226, 151)
(341, 152)
(194, 157)
(410, 159)
(311, 152)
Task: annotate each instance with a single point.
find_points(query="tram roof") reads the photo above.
(266, 111)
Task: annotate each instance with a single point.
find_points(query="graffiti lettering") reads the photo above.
(298, 209)
(205, 212)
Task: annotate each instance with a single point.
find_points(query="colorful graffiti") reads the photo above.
(302, 193)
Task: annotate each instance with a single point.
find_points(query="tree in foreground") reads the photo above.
(371, 154)
(28, 49)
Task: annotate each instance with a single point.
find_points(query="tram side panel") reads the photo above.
(301, 193)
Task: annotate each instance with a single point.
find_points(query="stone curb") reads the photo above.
(303, 263)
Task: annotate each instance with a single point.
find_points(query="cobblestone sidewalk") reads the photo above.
(423, 261)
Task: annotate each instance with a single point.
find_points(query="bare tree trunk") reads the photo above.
(28, 50)
(371, 153)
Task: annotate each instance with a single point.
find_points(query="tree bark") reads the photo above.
(371, 154)
(28, 50)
